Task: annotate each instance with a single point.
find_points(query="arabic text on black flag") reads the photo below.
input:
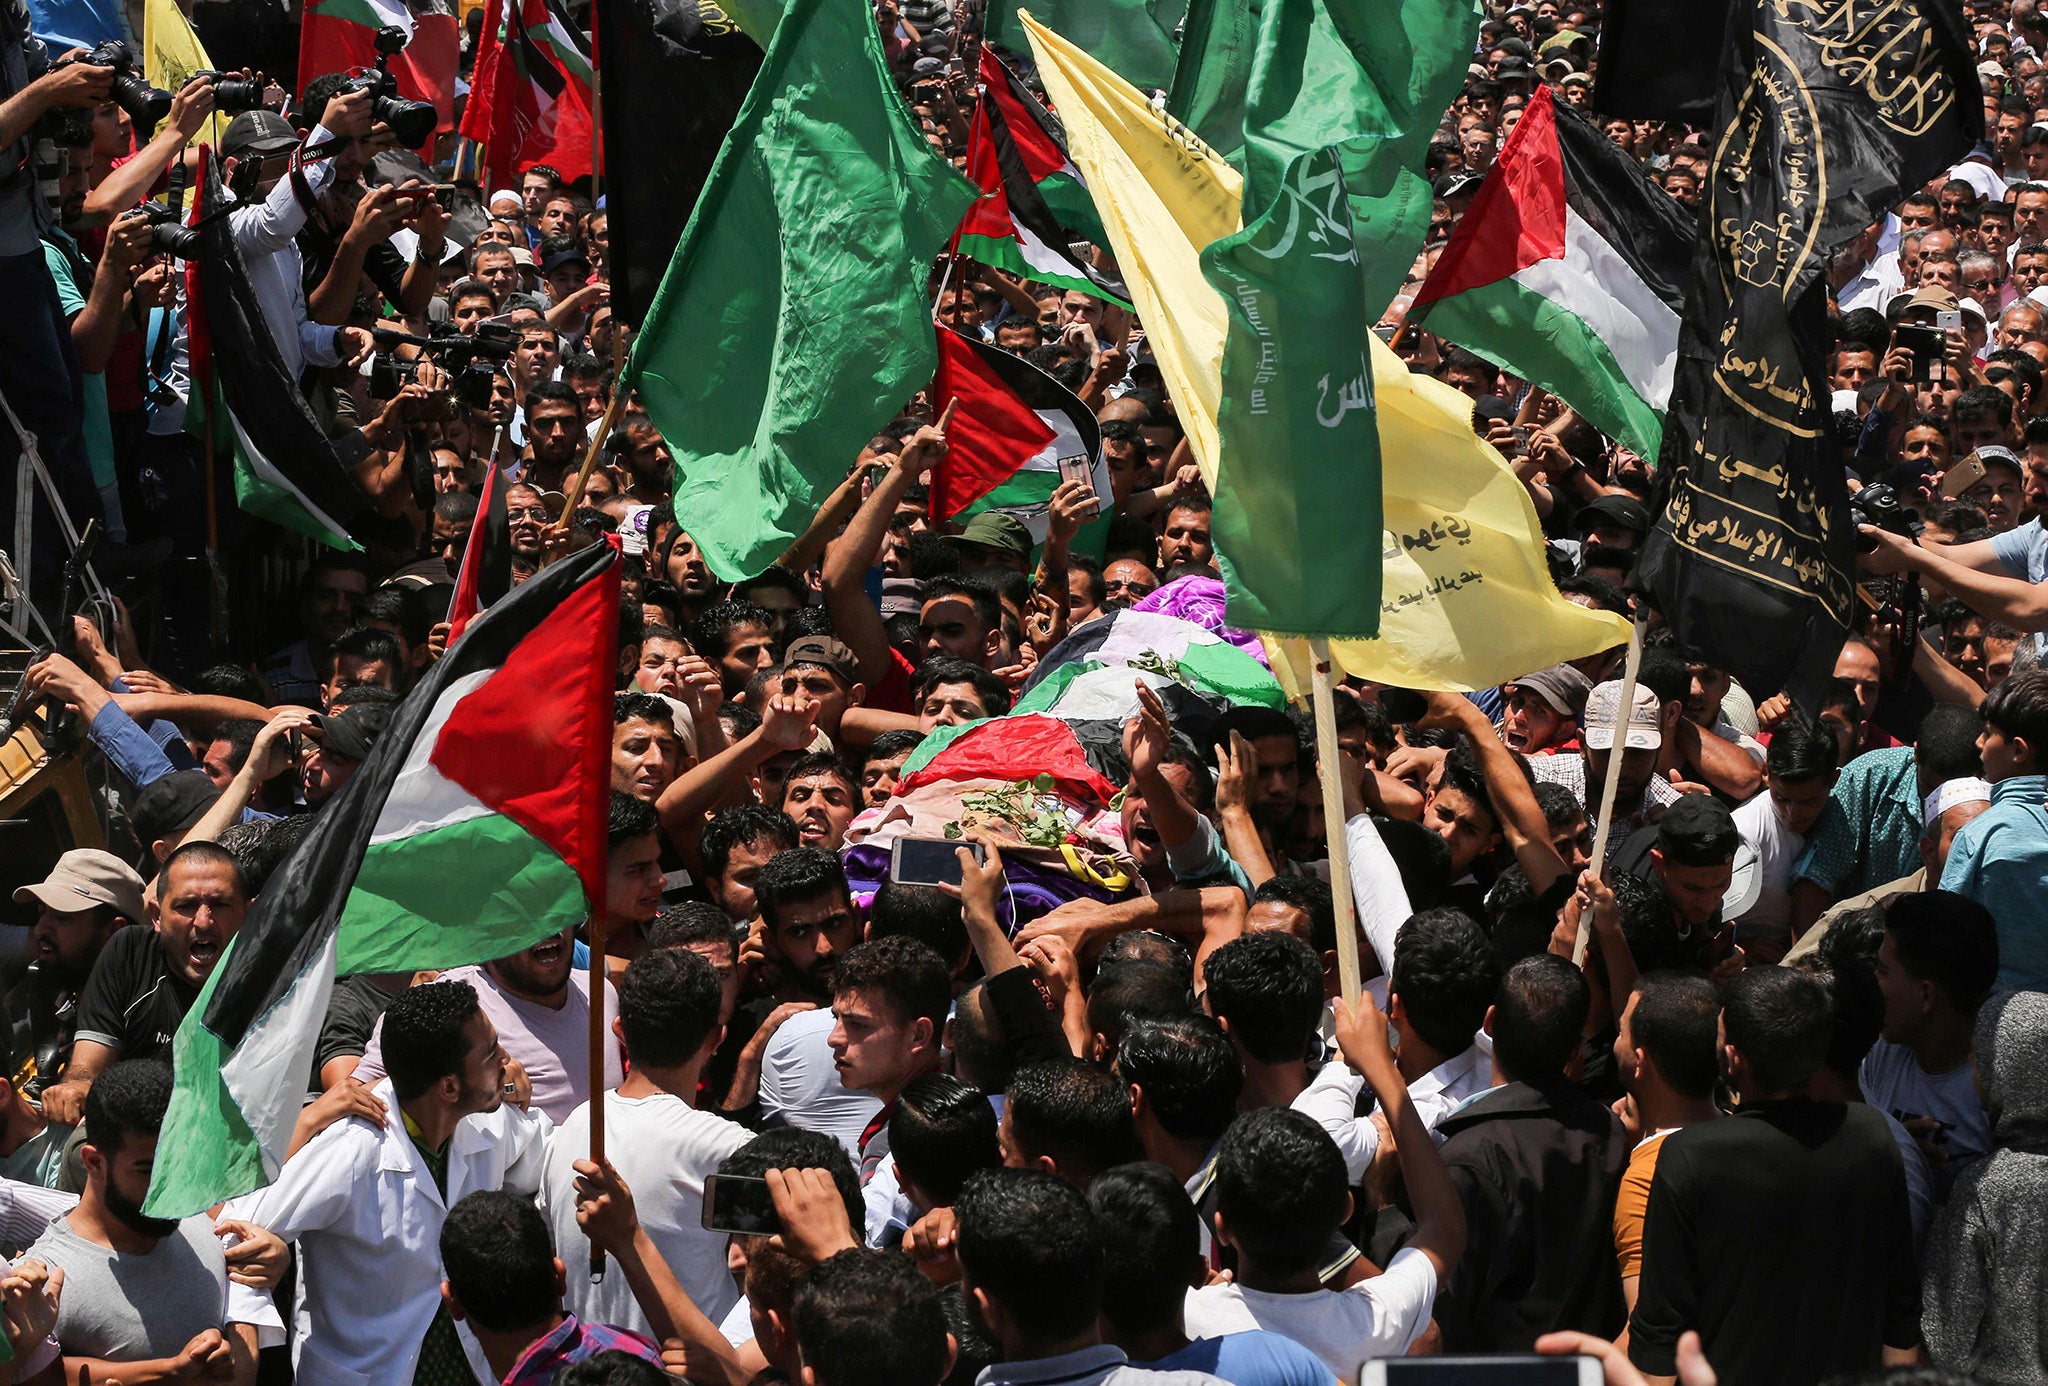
(1827, 112)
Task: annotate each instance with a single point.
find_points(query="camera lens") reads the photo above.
(234, 95)
(146, 105)
(412, 121)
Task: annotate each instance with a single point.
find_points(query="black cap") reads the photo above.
(354, 730)
(257, 132)
(564, 257)
(1626, 511)
(1698, 830)
(171, 805)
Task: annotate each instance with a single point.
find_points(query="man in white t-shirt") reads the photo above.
(662, 1146)
(800, 1083)
(540, 1006)
(1936, 966)
(1281, 1192)
(1799, 772)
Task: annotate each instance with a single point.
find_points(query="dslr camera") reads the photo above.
(412, 121)
(1877, 505)
(168, 235)
(146, 105)
(233, 95)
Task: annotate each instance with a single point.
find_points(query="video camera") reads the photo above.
(412, 121)
(1877, 505)
(466, 358)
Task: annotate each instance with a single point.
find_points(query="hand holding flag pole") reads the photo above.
(1616, 749)
(1329, 765)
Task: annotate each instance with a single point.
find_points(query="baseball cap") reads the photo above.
(927, 67)
(171, 805)
(522, 257)
(353, 731)
(1577, 79)
(84, 878)
(1561, 686)
(1698, 830)
(994, 530)
(564, 257)
(1511, 68)
(1449, 185)
(1626, 511)
(1644, 731)
(257, 132)
(827, 652)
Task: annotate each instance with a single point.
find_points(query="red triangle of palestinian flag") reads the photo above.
(1014, 427)
(1569, 270)
(1041, 141)
(486, 572)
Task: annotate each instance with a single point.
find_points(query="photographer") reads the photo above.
(342, 241)
(130, 180)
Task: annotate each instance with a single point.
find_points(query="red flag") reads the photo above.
(486, 572)
(529, 96)
(340, 36)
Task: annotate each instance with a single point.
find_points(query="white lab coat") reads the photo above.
(367, 1218)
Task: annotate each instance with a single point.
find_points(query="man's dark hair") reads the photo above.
(1948, 939)
(942, 1130)
(260, 847)
(1028, 1241)
(668, 1005)
(1281, 1188)
(717, 623)
(2018, 708)
(1446, 973)
(646, 707)
(868, 1318)
(1777, 1019)
(1677, 1023)
(550, 392)
(1139, 989)
(1650, 926)
(1560, 806)
(1310, 896)
(369, 644)
(230, 681)
(813, 763)
(792, 1147)
(795, 876)
(905, 973)
(944, 669)
(1189, 1072)
(1422, 858)
(693, 921)
(1666, 674)
(1604, 594)
(891, 744)
(629, 818)
(1356, 713)
(1268, 987)
(129, 1099)
(740, 826)
(1855, 1001)
(924, 913)
(1946, 748)
(205, 854)
(1981, 404)
(988, 608)
(499, 1261)
(613, 1367)
(362, 695)
(777, 576)
(1538, 1018)
(240, 734)
(1122, 431)
(1799, 752)
(1073, 1112)
(423, 1041)
(1151, 1242)
(402, 607)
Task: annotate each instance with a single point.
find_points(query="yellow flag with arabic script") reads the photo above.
(171, 53)
(1466, 601)
(1163, 195)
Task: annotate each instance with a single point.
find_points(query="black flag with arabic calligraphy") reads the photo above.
(1826, 113)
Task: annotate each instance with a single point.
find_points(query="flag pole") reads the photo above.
(597, 1074)
(1616, 749)
(604, 429)
(1329, 761)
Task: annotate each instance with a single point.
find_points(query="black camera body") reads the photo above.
(234, 95)
(412, 121)
(146, 105)
(167, 234)
(468, 359)
(1877, 505)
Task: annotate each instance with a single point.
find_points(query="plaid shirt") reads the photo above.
(571, 1342)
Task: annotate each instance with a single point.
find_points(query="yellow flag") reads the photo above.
(1467, 601)
(171, 53)
(1163, 196)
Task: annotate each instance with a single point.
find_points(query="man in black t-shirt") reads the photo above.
(145, 980)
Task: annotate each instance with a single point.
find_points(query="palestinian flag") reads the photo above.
(475, 829)
(1015, 428)
(486, 572)
(286, 469)
(340, 36)
(1041, 142)
(530, 92)
(1569, 270)
(1013, 227)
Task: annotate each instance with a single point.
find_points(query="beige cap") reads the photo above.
(85, 878)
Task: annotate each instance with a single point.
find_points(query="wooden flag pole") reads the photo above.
(1616, 749)
(604, 431)
(597, 1073)
(1329, 765)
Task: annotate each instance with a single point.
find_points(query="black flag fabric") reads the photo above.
(1661, 59)
(1827, 113)
(674, 75)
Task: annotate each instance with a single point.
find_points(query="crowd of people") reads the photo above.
(1760, 1097)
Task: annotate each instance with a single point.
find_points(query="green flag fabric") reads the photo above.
(793, 320)
(1298, 475)
(1133, 38)
(1217, 44)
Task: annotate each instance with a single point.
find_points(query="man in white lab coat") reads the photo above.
(366, 1202)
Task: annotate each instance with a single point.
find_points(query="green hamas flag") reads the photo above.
(1214, 68)
(1132, 38)
(793, 320)
(1298, 473)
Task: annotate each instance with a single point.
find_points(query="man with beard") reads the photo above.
(1125, 583)
(554, 434)
(86, 897)
(146, 1298)
(1640, 789)
(536, 1003)
(339, 233)
(365, 1199)
(1274, 781)
(146, 979)
(526, 515)
(821, 796)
